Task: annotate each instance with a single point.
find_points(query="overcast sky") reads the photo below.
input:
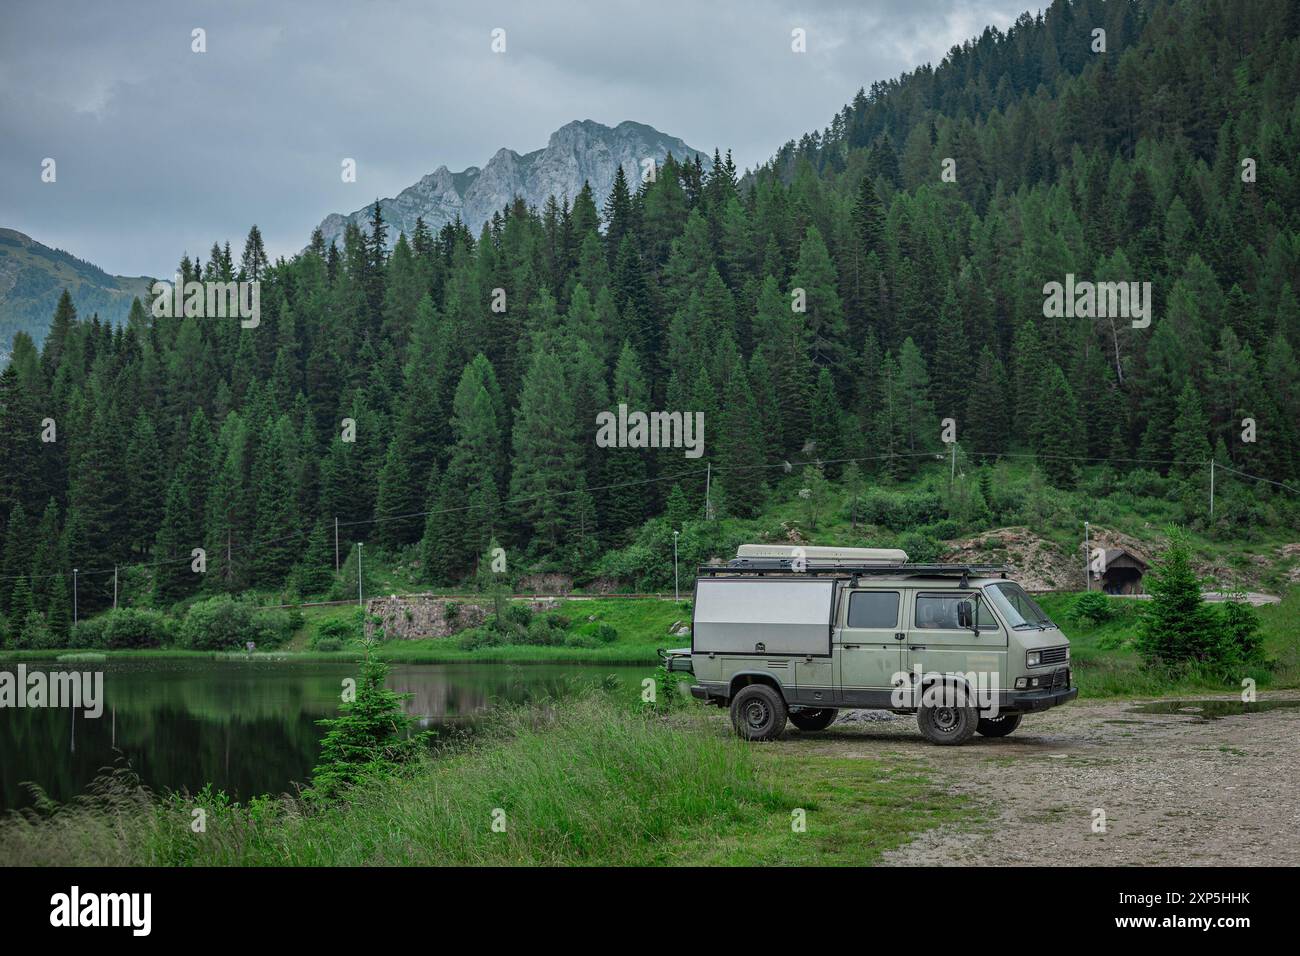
(161, 150)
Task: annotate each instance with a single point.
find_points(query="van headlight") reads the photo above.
(1032, 658)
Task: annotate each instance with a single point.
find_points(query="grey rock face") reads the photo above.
(578, 152)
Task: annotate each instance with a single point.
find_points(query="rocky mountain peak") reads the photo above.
(579, 151)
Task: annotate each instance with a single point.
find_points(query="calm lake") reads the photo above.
(248, 727)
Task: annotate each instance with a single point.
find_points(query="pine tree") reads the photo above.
(1059, 430)
(1176, 624)
(625, 469)
(315, 572)
(546, 453)
(398, 500)
(985, 430)
(277, 543)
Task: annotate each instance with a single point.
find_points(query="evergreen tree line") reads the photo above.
(837, 303)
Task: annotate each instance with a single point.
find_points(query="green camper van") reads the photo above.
(798, 633)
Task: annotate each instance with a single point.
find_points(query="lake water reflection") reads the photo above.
(248, 727)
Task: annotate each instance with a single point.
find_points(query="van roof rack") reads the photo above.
(759, 567)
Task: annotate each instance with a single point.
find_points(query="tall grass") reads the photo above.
(574, 782)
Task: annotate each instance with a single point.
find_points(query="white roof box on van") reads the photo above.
(824, 556)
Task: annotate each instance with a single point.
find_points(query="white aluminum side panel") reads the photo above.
(733, 616)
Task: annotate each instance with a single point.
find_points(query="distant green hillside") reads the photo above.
(32, 276)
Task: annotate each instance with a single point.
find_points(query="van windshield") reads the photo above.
(1017, 606)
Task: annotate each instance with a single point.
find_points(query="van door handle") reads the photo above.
(850, 647)
(916, 647)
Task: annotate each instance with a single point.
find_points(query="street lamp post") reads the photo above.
(677, 594)
(1087, 559)
(360, 601)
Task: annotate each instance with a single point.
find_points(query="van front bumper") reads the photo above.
(1027, 701)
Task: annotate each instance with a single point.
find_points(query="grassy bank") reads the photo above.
(1106, 662)
(581, 782)
(642, 626)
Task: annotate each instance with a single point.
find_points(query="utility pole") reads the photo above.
(708, 482)
(952, 474)
(1087, 559)
(115, 587)
(336, 544)
(360, 602)
(74, 595)
(1211, 489)
(677, 594)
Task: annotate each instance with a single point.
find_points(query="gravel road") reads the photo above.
(1176, 788)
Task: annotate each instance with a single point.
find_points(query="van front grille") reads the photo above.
(1053, 655)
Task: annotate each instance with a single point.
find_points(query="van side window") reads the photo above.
(938, 612)
(873, 609)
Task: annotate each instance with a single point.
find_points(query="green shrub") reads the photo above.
(1241, 640)
(518, 615)
(337, 632)
(541, 633)
(135, 627)
(89, 631)
(474, 638)
(606, 633)
(223, 623)
(1092, 607)
(920, 548)
(899, 511)
(34, 634)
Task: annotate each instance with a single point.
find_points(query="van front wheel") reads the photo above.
(758, 712)
(947, 725)
(999, 726)
(811, 718)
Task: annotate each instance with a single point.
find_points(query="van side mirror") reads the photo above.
(966, 614)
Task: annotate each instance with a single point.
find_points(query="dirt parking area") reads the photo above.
(1176, 788)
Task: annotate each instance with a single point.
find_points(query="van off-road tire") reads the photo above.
(758, 712)
(813, 718)
(947, 725)
(999, 726)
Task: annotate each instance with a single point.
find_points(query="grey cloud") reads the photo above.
(160, 151)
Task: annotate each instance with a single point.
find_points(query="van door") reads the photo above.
(869, 646)
(936, 642)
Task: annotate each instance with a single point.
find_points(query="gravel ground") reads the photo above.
(1176, 789)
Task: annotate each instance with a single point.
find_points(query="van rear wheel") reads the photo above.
(999, 726)
(947, 725)
(811, 718)
(758, 712)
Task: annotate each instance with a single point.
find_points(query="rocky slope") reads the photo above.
(581, 151)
